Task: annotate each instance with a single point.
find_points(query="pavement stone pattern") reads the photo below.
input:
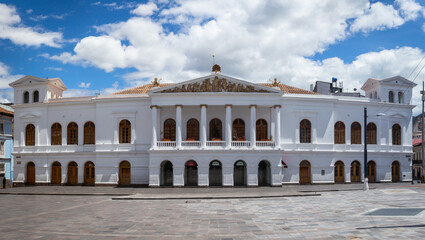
(332, 215)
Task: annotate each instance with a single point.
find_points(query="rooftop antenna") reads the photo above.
(213, 59)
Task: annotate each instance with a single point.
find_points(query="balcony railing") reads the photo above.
(241, 144)
(166, 144)
(265, 144)
(216, 144)
(193, 144)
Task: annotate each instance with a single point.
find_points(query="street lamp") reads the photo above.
(366, 184)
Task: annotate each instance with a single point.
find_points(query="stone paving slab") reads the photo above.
(333, 215)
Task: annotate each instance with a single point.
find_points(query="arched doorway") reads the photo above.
(30, 173)
(191, 173)
(72, 173)
(371, 171)
(124, 173)
(56, 177)
(264, 176)
(355, 171)
(339, 172)
(239, 173)
(166, 174)
(89, 174)
(305, 172)
(215, 174)
(395, 171)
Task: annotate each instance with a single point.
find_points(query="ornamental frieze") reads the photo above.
(215, 85)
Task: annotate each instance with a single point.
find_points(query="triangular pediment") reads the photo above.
(57, 82)
(216, 83)
(399, 80)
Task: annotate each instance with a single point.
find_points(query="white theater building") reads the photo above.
(210, 131)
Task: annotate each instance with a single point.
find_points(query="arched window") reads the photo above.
(170, 130)
(29, 135)
(396, 133)
(125, 131)
(305, 131)
(26, 97)
(371, 133)
(215, 129)
(35, 96)
(192, 129)
(238, 130)
(261, 130)
(356, 133)
(56, 138)
(72, 134)
(89, 133)
(400, 97)
(339, 133)
(391, 96)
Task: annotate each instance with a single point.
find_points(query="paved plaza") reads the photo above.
(343, 214)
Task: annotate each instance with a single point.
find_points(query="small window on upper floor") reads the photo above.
(1, 128)
(1, 149)
(391, 97)
(36, 96)
(26, 97)
(400, 97)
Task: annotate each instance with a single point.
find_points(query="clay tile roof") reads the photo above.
(146, 88)
(141, 89)
(5, 112)
(289, 89)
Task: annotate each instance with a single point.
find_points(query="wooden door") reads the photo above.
(339, 172)
(239, 173)
(355, 172)
(215, 175)
(263, 174)
(125, 173)
(371, 169)
(30, 173)
(395, 171)
(89, 174)
(305, 175)
(56, 173)
(72, 174)
(166, 174)
(191, 174)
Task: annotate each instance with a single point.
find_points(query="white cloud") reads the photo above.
(145, 9)
(6, 93)
(84, 85)
(377, 17)
(10, 28)
(44, 17)
(409, 9)
(257, 40)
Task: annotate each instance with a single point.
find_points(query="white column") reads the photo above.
(203, 133)
(228, 131)
(154, 125)
(253, 134)
(178, 126)
(277, 125)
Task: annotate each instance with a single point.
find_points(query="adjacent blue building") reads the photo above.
(6, 146)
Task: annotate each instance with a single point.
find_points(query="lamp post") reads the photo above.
(366, 185)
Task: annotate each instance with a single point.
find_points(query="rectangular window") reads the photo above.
(2, 168)
(1, 128)
(2, 149)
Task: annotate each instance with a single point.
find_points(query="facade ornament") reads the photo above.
(155, 82)
(275, 83)
(213, 85)
(216, 68)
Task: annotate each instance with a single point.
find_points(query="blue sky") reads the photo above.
(110, 45)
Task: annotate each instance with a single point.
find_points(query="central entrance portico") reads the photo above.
(216, 115)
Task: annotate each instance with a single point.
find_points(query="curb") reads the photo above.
(335, 190)
(223, 197)
(67, 194)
